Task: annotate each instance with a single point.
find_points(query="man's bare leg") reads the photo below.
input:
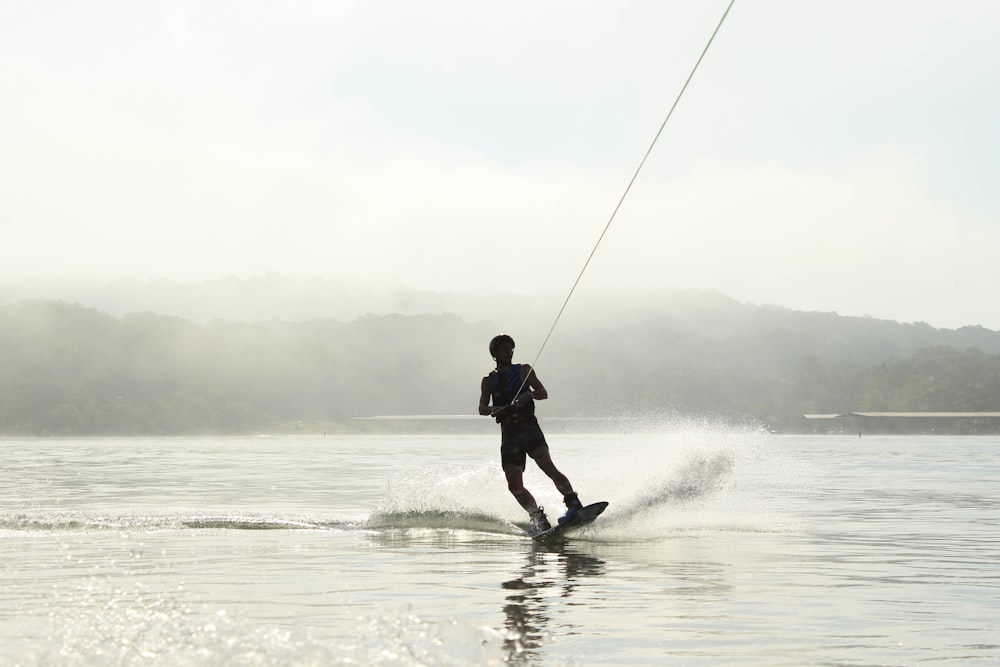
(515, 484)
(544, 461)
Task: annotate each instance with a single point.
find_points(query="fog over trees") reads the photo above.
(237, 356)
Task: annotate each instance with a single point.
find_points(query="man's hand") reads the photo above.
(523, 397)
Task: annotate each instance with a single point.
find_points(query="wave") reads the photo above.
(61, 523)
(680, 490)
(380, 521)
(700, 477)
(442, 519)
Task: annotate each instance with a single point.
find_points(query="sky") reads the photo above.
(829, 156)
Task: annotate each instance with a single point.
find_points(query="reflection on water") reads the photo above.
(551, 572)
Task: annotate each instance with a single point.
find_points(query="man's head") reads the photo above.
(497, 341)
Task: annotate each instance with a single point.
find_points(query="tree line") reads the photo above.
(72, 370)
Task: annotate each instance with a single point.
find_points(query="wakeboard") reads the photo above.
(580, 519)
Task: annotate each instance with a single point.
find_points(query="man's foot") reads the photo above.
(573, 505)
(539, 522)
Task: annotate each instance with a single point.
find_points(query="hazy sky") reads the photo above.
(837, 156)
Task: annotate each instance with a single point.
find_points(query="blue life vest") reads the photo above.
(504, 386)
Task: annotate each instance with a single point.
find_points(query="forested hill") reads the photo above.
(75, 370)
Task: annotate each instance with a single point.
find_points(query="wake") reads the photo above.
(697, 479)
(457, 520)
(658, 483)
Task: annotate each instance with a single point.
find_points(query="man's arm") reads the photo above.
(484, 398)
(533, 383)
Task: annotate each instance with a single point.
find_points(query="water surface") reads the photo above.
(719, 547)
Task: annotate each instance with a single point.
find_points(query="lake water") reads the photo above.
(720, 547)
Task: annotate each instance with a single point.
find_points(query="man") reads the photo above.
(513, 390)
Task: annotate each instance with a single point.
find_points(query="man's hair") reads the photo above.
(497, 340)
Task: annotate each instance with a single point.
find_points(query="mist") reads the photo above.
(837, 159)
(280, 355)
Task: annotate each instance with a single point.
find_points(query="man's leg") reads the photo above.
(515, 484)
(570, 499)
(544, 461)
(539, 522)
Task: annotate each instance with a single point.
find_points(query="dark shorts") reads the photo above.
(518, 443)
